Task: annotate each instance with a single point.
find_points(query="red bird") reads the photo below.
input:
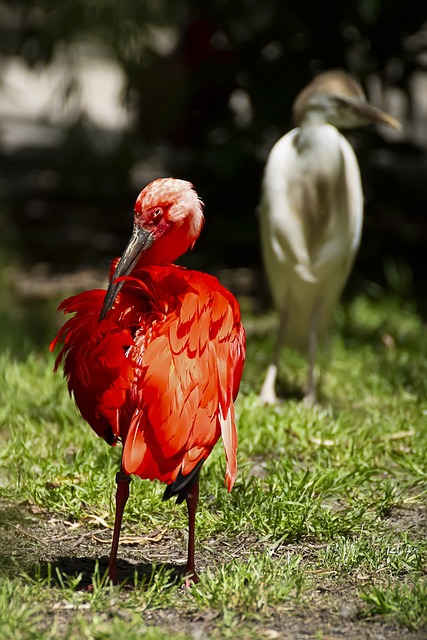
(155, 361)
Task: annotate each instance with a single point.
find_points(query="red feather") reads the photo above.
(164, 365)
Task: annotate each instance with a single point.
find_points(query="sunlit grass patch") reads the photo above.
(329, 504)
(62, 608)
(406, 601)
(257, 586)
(20, 612)
(374, 554)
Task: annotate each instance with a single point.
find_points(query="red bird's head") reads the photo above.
(168, 219)
(170, 211)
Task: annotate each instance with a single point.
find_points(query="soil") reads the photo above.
(33, 539)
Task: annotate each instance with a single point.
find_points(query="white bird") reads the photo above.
(311, 213)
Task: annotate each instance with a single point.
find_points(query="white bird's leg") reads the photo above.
(268, 392)
(310, 397)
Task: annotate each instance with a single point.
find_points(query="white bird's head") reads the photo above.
(335, 98)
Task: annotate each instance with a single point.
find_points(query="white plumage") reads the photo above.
(311, 215)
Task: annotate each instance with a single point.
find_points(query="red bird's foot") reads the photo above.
(112, 574)
(191, 578)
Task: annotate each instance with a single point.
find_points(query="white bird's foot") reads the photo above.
(268, 398)
(310, 399)
(267, 394)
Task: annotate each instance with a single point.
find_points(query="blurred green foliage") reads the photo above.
(210, 85)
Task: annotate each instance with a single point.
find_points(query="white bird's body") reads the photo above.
(311, 214)
(309, 258)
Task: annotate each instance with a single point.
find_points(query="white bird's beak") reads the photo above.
(366, 112)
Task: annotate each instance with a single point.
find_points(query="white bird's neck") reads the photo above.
(313, 134)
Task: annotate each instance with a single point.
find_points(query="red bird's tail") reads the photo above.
(183, 484)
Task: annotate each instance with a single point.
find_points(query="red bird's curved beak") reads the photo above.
(140, 241)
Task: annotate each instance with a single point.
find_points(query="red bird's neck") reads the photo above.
(167, 248)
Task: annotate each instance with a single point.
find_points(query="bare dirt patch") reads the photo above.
(409, 517)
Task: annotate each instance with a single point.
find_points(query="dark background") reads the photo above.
(209, 110)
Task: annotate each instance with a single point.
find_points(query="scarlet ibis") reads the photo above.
(155, 361)
(311, 212)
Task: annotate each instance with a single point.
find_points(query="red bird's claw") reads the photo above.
(191, 579)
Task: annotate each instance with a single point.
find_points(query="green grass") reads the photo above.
(406, 601)
(328, 513)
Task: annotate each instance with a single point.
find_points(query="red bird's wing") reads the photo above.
(99, 374)
(189, 370)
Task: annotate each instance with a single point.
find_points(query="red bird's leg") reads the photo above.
(122, 495)
(192, 500)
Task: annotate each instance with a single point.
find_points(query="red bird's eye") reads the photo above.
(153, 216)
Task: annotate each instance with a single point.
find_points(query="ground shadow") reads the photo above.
(288, 390)
(91, 570)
